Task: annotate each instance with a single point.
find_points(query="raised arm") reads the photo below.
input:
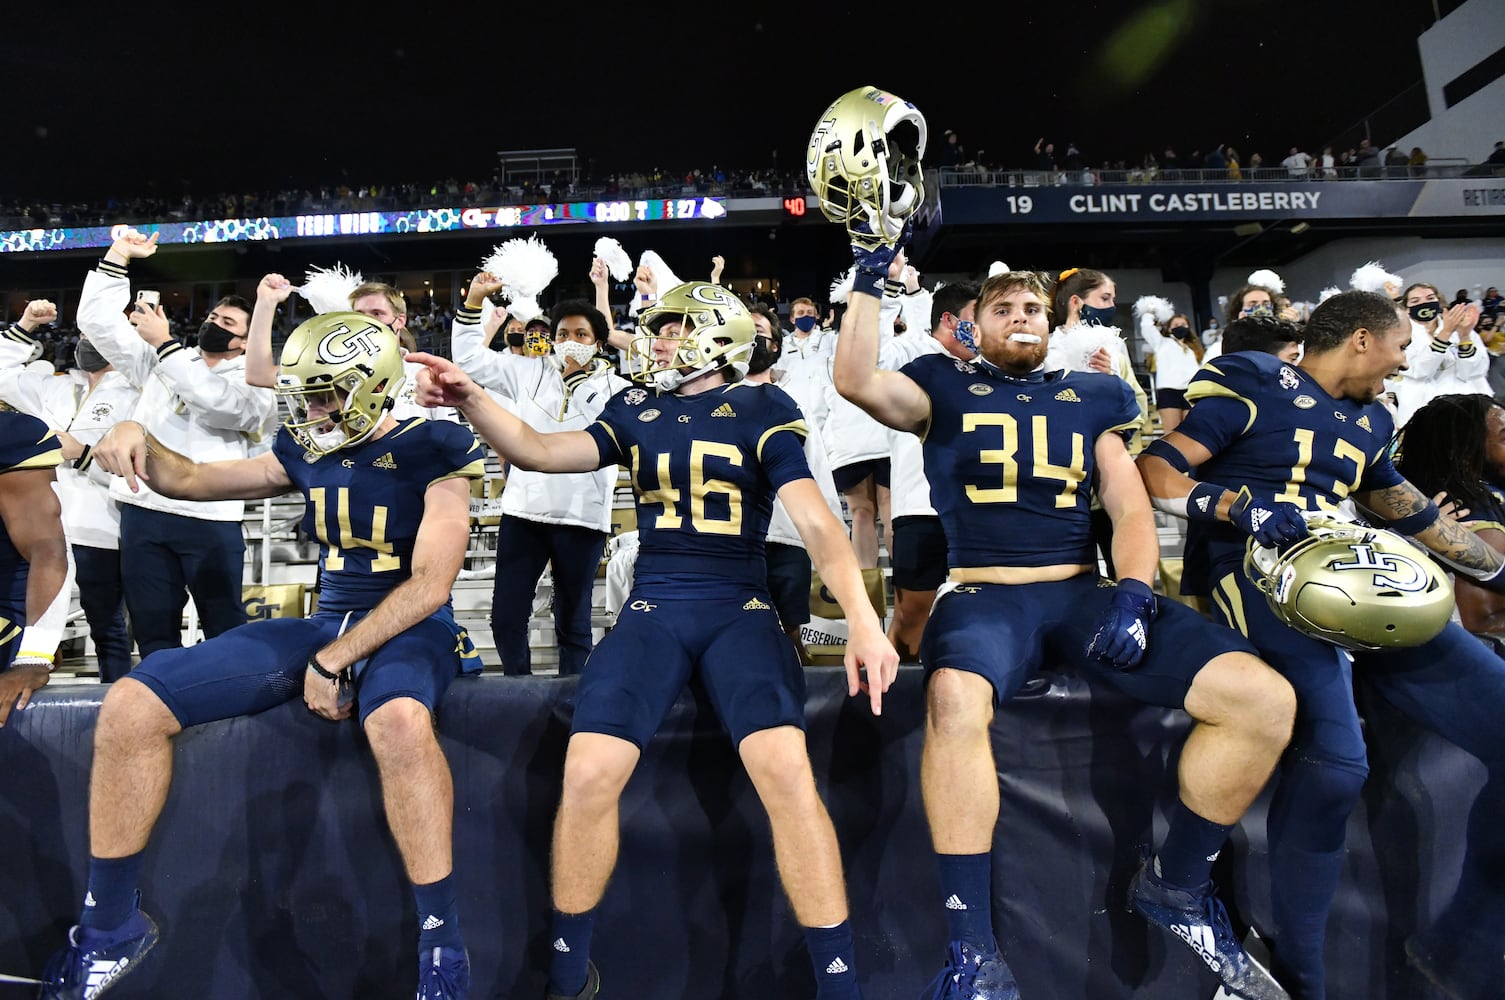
(467, 346)
(129, 451)
(101, 309)
(443, 383)
(891, 398)
(261, 363)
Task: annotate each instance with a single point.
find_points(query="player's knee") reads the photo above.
(778, 763)
(399, 725)
(1321, 792)
(958, 705)
(592, 776)
(132, 710)
(1240, 690)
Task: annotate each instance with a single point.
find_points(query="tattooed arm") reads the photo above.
(1446, 538)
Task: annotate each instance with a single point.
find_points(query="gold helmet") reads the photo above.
(1354, 586)
(347, 355)
(864, 163)
(715, 330)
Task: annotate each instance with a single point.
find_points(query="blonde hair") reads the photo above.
(1001, 284)
(395, 299)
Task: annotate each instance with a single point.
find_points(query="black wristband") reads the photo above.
(316, 667)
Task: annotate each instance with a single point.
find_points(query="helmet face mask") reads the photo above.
(863, 162)
(1357, 587)
(715, 330)
(348, 368)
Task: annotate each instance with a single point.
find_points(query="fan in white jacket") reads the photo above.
(80, 407)
(1168, 337)
(1445, 356)
(558, 519)
(196, 402)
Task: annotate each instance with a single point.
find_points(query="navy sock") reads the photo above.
(967, 888)
(111, 896)
(1191, 846)
(831, 954)
(571, 944)
(438, 917)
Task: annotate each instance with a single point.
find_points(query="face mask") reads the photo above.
(514, 339)
(966, 335)
(1181, 332)
(87, 358)
(1098, 315)
(805, 324)
(764, 353)
(1259, 309)
(1425, 312)
(566, 351)
(214, 338)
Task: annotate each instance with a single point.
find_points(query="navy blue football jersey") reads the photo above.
(25, 443)
(705, 471)
(1010, 459)
(1272, 428)
(365, 503)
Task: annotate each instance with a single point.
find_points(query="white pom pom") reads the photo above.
(526, 266)
(1373, 277)
(841, 288)
(1079, 343)
(1328, 293)
(1154, 306)
(1267, 278)
(666, 278)
(328, 289)
(996, 268)
(614, 257)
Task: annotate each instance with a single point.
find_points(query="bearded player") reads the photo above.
(389, 503)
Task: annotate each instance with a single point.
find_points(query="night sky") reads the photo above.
(151, 100)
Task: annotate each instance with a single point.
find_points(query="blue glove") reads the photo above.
(1270, 522)
(873, 259)
(1123, 633)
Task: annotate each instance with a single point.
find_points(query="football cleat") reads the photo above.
(345, 359)
(587, 992)
(443, 974)
(1198, 919)
(973, 975)
(94, 961)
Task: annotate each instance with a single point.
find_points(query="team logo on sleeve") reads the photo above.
(648, 415)
(979, 388)
(634, 397)
(962, 366)
(1288, 378)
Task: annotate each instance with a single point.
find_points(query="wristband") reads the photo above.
(38, 643)
(316, 667)
(1202, 502)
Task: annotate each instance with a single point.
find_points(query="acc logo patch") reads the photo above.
(648, 415)
(1304, 402)
(979, 388)
(1288, 379)
(634, 397)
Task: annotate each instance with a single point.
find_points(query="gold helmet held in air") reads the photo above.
(347, 364)
(864, 164)
(715, 330)
(1358, 587)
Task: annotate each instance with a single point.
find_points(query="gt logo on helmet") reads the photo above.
(356, 345)
(1388, 568)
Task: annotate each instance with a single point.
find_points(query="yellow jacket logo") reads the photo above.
(756, 605)
(1068, 396)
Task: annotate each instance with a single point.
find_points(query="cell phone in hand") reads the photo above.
(148, 300)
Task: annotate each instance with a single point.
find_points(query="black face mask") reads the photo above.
(764, 353)
(514, 340)
(214, 338)
(87, 358)
(1425, 312)
(1181, 332)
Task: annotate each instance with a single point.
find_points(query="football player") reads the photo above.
(389, 503)
(708, 453)
(1269, 440)
(35, 577)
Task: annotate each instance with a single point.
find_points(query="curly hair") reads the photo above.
(1442, 449)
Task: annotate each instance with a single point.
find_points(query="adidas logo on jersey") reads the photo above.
(724, 410)
(561, 947)
(953, 902)
(385, 462)
(432, 922)
(837, 967)
(1068, 396)
(1202, 942)
(756, 605)
(1364, 423)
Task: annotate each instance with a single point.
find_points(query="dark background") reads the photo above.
(150, 98)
